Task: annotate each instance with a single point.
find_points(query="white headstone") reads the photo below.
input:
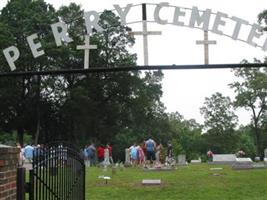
(127, 157)
(244, 160)
(243, 163)
(265, 153)
(181, 160)
(196, 161)
(151, 182)
(265, 162)
(223, 159)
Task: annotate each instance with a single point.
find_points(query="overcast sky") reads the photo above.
(185, 90)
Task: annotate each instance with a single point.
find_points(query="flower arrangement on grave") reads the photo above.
(240, 154)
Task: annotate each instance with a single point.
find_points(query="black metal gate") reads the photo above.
(58, 173)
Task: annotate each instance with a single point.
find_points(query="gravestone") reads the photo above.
(151, 182)
(216, 168)
(196, 161)
(257, 159)
(265, 153)
(127, 158)
(106, 178)
(223, 159)
(265, 162)
(181, 159)
(243, 163)
(159, 168)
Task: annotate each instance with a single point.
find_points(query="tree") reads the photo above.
(105, 107)
(262, 17)
(186, 136)
(251, 93)
(218, 113)
(22, 18)
(220, 121)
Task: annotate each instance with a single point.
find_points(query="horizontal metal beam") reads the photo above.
(127, 68)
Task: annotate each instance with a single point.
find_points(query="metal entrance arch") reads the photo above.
(99, 69)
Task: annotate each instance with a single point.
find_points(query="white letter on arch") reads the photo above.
(218, 22)
(177, 14)
(35, 46)
(156, 13)
(11, 59)
(90, 24)
(122, 13)
(264, 48)
(254, 32)
(60, 35)
(195, 17)
(238, 24)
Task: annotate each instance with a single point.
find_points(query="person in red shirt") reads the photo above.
(110, 153)
(100, 153)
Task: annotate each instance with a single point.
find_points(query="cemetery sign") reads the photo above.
(188, 17)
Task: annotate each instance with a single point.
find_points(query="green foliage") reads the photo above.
(188, 134)
(220, 121)
(251, 94)
(11, 138)
(218, 113)
(177, 148)
(262, 17)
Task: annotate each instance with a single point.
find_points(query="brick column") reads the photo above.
(9, 157)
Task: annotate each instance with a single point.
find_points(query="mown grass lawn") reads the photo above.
(196, 182)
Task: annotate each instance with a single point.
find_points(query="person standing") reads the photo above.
(86, 156)
(134, 154)
(91, 150)
(100, 153)
(169, 157)
(110, 153)
(150, 150)
(28, 153)
(141, 156)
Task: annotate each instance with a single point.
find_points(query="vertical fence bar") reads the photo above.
(49, 169)
(21, 183)
(83, 174)
(31, 185)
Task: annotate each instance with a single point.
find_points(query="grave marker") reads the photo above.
(223, 159)
(243, 163)
(196, 161)
(151, 182)
(181, 159)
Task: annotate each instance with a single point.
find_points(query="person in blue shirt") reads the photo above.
(150, 150)
(28, 153)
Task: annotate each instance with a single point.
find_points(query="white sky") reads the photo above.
(185, 90)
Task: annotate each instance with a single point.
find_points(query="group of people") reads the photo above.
(27, 153)
(149, 153)
(101, 154)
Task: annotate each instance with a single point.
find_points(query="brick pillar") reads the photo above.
(9, 157)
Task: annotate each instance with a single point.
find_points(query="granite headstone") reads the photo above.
(243, 163)
(223, 159)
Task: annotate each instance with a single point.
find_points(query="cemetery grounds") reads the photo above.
(192, 182)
